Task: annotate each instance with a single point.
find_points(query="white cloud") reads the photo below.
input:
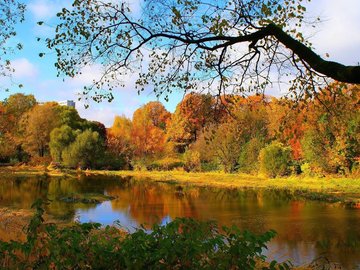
(46, 9)
(338, 34)
(24, 68)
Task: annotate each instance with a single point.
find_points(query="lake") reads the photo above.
(307, 230)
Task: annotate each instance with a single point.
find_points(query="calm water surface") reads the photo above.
(306, 229)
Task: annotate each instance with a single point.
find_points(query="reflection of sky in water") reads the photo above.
(104, 214)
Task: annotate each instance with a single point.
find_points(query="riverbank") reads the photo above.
(331, 189)
(334, 189)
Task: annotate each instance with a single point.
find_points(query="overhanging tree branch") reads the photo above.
(234, 45)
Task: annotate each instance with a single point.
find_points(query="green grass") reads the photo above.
(328, 184)
(342, 189)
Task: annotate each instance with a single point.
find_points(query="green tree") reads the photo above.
(275, 160)
(60, 139)
(248, 161)
(69, 116)
(85, 151)
(191, 41)
(95, 126)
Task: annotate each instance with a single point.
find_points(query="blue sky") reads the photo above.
(338, 35)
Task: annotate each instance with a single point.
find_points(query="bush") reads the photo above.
(248, 161)
(109, 161)
(275, 160)
(355, 169)
(36, 160)
(141, 163)
(166, 164)
(192, 161)
(209, 166)
(181, 244)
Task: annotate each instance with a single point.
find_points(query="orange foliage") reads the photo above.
(148, 133)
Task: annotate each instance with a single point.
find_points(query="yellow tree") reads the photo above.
(37, 125)
(119, 138)
(11, 111)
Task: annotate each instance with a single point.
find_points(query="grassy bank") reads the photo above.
(332, 189)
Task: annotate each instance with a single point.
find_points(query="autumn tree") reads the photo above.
(191, 44)
(11, 111)
(15, 106)
(237, 141)
(119, 138)
(37, 125)
(148, 134)
(192, 114)
(6, 148)
(287, 123)
(331, 137)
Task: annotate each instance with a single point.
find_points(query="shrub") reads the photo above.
(355, 169)
(192, 161)
(166, 164)
(109, 161)
(209, 166)
(181, 244)
(275, 160)
(36, 160)
(248, 160)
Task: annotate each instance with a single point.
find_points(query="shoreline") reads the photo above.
(332, 189)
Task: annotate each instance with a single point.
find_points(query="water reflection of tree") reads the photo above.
(149, 203)
(305, 228)
(21, 192)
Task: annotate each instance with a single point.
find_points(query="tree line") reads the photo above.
(275, 136)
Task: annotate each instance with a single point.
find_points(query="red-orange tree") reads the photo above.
(191, 115)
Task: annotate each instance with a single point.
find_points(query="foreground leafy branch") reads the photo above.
(181, 244)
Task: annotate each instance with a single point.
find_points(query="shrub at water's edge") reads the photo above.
(181, 244)
(275, 160)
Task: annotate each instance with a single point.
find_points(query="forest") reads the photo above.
(248, 134)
